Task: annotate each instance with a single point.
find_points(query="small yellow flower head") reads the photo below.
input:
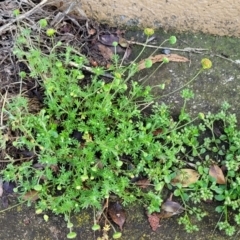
(148, 32)
(50, 32)
(206, 63)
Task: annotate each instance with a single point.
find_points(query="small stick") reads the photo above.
(3, 105)
(187, 49)
(89, 69)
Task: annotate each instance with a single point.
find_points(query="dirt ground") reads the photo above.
(219, 84)
(21, 223)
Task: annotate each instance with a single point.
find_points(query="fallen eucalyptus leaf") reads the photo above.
(185, 177)
(216, 172)
(160, 58)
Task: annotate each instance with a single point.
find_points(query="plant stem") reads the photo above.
(176, 90)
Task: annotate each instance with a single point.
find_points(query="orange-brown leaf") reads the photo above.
(160, 57)
(216, 172)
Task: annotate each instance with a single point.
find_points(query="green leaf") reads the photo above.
(177, 193)
(117, 235)
(219, 209)
(38, 187)
(158, 186)
(219, 197)
(96, 227)
(71, 235)
(119, 163)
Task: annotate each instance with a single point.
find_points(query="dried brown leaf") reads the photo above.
(170, 208)
(216, 172)
(31, 195)
(185, 176)
(105, 51)
(117, 213)
(160, 57)
(154, 221)
(123, 42)
(143, 183)
(157, 132)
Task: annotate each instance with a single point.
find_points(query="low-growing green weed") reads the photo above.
(92, 140)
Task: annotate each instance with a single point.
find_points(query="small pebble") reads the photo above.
(166, 51)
